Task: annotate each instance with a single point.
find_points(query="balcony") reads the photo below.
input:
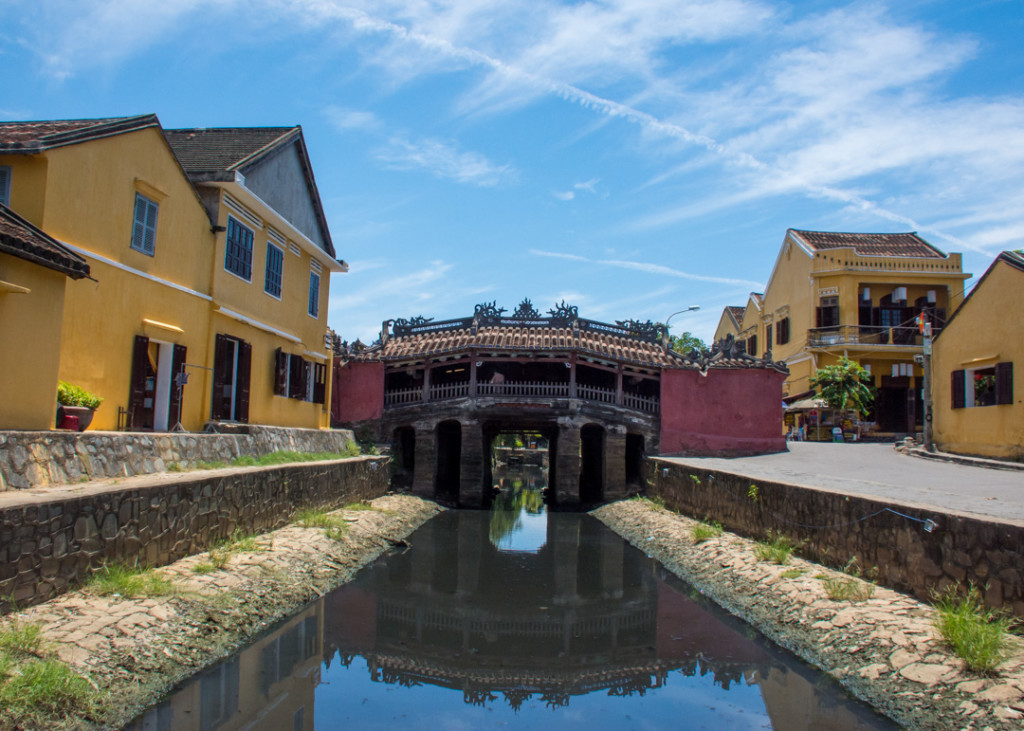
(521, 389)
(872, 335)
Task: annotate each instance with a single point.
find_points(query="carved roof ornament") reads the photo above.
(564, 311)
(648, 329)
(412, 322)
(526, 311)
(488, 311)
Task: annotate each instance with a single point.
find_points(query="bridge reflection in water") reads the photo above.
(471, 626)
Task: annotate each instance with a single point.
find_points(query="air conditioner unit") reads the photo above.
(931, 296)
(865, 294)
(899, 294)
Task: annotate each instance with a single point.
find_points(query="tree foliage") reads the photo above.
(845, 385)
(688, 341)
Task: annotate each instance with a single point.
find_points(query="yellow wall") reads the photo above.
(30, 323)
(28, 185)
(986, 331)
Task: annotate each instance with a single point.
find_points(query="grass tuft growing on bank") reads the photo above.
(776, 550)
(706, 531)
(978, 634)
(334, 526)
(37, 690)
(129, 582)
(284, 456)
(847, 589)
(220, 553)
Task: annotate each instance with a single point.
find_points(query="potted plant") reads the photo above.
(76, 401)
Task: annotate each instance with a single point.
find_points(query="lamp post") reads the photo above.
(664, 335)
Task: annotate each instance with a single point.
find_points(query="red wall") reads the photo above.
(357, 393)
(723, 412)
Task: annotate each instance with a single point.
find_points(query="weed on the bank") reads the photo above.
(128, 582)
(847, 589)
(793, 573)
(35, 688)
(220, 553)
(334, 526)
(977, 633)
(701, 532)
(777, 549)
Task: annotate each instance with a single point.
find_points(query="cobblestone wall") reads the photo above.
(833, 528)
(53, 541)
(41, 458)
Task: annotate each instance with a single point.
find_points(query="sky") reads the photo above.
(630, 157)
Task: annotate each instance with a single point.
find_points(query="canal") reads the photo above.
(515, 617)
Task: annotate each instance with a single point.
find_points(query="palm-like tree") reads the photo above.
(845, 385)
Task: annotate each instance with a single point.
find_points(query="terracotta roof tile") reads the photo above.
(902, 244)
(20, 238)
(32, 137)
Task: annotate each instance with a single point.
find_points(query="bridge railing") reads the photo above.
(542, 389)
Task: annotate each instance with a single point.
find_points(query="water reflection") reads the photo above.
(518, 513)
(582, 631)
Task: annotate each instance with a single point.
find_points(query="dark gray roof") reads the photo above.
(225, 149)
(20, 238)
(35, 137)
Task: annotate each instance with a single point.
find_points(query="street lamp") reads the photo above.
(664, 335)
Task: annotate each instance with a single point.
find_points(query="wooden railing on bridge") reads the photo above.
(527, 389)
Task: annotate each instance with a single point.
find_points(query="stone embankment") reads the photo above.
(43, 458)
(135, 650)
(884, 650)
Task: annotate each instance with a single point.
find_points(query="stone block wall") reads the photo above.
(41, 458)
(51, 542)
(833, 528)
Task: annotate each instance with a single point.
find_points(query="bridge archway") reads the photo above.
(403, 456)
(592, 456)
(448, 476)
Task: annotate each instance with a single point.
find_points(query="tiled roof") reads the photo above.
(736, 313)
(222, 149)
(905, 244)
(20, 238)
(512, 339)
(33, 137)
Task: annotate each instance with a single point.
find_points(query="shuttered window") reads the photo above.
(5, 185)
(144, 227)
(958, 389)
(782, 331)
(1004, 383)
(768, 338)
(238, 252)
(314, 294)
(275, 270)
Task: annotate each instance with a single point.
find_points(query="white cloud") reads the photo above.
(647, 267)
(443, 161)
(348, 119)
(566, 195)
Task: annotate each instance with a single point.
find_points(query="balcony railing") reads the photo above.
(541, 389)
(865, 335)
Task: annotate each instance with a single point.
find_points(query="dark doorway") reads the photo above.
(403, 456)
(591, 463)
(449, 461)
(634, 459)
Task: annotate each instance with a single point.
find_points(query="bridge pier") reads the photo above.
(567, 467)
(471, 479)
(426, 461)
(615, 462)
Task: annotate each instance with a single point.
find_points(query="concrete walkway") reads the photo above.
(878, 470)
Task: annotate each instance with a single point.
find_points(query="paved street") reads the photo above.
(878, 470)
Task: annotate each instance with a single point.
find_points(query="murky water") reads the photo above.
(514, 618)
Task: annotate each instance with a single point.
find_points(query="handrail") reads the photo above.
(521, 389)
(866, 335)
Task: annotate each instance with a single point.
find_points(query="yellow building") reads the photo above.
(203, 245)
(730, 323)
(833, 295)
(977, 408)
(34, 269)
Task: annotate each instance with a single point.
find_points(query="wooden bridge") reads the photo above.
(440, 392)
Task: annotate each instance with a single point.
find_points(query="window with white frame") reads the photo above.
(987, 386)
(275, 270)
(314, 294)
(238, 252)
(144, 226)
(5, 185)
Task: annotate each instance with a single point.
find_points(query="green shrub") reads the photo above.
(976, 633)
(71, 395)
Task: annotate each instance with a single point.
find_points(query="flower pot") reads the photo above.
(83, 416)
